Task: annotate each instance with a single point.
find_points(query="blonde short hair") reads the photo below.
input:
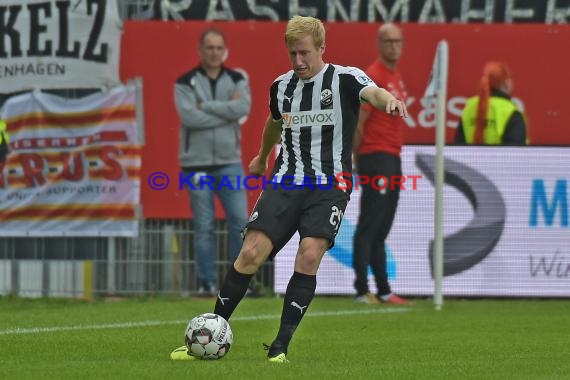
(300, 26)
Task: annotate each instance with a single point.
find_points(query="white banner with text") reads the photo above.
(506, 227)
(73, 167)
(59, 44)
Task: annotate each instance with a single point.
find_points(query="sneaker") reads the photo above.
(181, 353)
(393, 299)
(368, 298)
(275, 354)
(278, 359)
(207, 290)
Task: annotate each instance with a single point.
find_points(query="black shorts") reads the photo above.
(279, 213)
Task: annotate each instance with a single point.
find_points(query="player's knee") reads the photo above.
(249, 254)
(316, 246)
(308, 263)
(311, 252)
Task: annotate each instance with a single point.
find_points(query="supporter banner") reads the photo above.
(169, 49)
(74, 165)
(505, 227)
(421, 11)
(58, 44)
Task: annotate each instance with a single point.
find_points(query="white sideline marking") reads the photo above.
(35, 330)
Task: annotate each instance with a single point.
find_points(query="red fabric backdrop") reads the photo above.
(160, 51)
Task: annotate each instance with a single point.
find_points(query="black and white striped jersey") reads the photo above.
(319, 119)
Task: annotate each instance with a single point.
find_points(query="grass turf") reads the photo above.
(468, 339)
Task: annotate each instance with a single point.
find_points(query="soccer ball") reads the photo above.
(208, 336)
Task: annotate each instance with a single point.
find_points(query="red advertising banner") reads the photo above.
(160, 51)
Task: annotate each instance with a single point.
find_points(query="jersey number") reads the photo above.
(336, 217)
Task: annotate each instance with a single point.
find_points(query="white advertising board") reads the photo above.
(506, 227)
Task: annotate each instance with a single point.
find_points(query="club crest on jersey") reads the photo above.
(363, 79)
(326, 97)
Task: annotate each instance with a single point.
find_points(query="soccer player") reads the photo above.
(313, 112)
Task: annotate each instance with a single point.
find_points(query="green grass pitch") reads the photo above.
(338, 339)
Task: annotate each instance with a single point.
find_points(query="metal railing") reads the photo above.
(159, 261)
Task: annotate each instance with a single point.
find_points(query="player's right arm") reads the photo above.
(383, 100)
(271, 136)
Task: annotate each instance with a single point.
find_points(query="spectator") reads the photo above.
(378, 144)
(4, 141)
(492, 118)
(210, 100)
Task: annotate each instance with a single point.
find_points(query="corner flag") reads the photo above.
(436, 95)
(437, 81)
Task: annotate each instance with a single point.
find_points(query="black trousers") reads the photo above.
(377, 212)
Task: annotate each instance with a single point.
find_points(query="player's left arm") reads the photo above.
(363, 117)
(384, 101)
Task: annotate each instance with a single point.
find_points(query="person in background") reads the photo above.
(378, 143)
(4, 141)
(210, 100)
(313, 110)
(491, 117)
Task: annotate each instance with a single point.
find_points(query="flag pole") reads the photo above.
(440, 81)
